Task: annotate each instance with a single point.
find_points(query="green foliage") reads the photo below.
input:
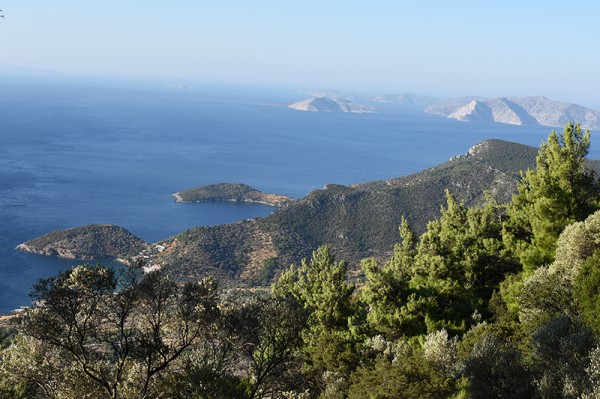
(394, 308)
(551, 291)
(266, 335)
(444, 279)
(410, 376)
(561, 358)
(560, 191)
(495, 370)
(268, 270)
(250, 352)
(34, 368)
(593, 374)
(460, 261)
(116, 341)
(217, 251)
(587, 292)
(320, 287)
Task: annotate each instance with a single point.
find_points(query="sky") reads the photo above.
(438, 48)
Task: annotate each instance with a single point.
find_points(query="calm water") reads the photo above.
(75, 153)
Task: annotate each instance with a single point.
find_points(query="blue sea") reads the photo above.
(76, 151)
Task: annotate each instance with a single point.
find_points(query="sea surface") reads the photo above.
(75, 152)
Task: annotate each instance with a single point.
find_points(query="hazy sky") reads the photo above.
(444, 48)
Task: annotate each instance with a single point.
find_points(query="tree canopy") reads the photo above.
(560, 191)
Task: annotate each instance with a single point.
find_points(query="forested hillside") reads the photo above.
(355, 221)
(491, 300)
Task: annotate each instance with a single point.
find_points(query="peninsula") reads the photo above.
(89, 242)
(234, 192)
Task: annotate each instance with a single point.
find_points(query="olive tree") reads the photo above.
(118, 335)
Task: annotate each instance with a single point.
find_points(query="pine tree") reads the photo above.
(560, 191)
(394, 309)
(460, 260)
(319, 286)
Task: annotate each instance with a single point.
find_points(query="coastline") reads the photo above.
(178, 199)
(232, 192)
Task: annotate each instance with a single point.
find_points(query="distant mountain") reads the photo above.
(329, 93)
(405, 99)
(555, 113)
(537, 110)
(330, 104)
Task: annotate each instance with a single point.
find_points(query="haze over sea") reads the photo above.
(81, 152)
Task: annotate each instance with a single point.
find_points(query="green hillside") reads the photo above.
(357, 222)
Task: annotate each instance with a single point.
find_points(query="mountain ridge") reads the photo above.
(528, 111)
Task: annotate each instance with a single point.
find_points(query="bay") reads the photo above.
(81, 151)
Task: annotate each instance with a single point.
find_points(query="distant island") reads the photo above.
(89, 242)
(527, 111)
(330, 104)
(234, 192)
(522, 111)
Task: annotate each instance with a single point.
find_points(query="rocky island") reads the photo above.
(89, 242)
(330, 104)
(234, 192)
